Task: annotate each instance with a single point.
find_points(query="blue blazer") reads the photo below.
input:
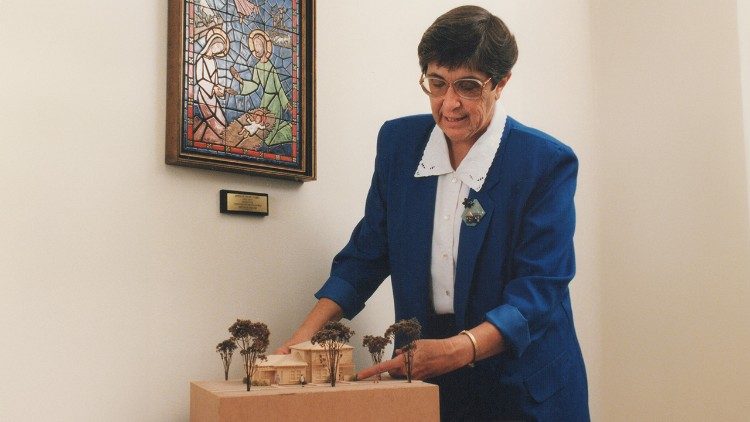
(512, 269)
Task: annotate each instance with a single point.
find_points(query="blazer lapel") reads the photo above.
(417, 235)
(470, 243)
(416, 213)
(472, 237)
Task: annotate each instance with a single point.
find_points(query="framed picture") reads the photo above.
(241, 86)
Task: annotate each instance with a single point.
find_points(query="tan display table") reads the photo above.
(388, 400)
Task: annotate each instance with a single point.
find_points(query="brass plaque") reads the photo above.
(236, 202)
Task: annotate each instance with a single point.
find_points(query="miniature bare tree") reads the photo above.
(332, 337)
(226, 350)
(410, 331)
(376, 346)
(252, 339)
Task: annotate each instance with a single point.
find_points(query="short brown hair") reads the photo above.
(469, 36)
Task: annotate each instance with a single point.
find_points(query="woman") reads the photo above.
(210, 123)
(471, 214)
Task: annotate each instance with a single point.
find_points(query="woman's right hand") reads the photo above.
(325, 310)
(283, 350)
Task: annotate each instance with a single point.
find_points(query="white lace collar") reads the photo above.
(473, 169)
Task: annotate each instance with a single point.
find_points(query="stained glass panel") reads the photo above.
(247, 90)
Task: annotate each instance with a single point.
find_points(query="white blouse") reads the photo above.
(452, 188)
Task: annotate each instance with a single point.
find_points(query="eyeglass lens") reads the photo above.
(467, 88)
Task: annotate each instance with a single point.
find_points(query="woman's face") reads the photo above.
(463, 120)
(217, 49)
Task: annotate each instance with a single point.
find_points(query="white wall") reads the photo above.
(743, 27)
(119, 275)
(673, 227)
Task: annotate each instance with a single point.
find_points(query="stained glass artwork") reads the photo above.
(246, 91)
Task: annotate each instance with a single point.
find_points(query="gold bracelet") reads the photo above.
(473, 346)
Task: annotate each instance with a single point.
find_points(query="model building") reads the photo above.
(306, 360)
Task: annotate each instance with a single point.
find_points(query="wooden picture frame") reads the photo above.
(241, 86)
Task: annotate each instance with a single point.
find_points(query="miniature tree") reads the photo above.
(332, 337)
(409, 330)
(252, 338)
(324, 363)
(226, 350)
(376, 346)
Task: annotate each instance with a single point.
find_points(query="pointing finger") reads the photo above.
(386, 366)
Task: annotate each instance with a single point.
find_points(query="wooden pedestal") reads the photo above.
(388, 400)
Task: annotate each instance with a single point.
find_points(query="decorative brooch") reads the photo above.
(473, 212)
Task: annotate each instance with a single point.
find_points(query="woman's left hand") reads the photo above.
(431, 358)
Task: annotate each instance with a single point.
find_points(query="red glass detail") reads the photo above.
(191, 14)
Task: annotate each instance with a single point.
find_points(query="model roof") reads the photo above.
(307, 345)
(282, 360)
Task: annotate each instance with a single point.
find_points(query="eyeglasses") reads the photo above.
(467, 88)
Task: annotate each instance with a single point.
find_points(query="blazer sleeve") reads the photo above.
(543, 261)
(363, 264)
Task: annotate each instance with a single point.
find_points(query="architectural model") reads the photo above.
(305, 364)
